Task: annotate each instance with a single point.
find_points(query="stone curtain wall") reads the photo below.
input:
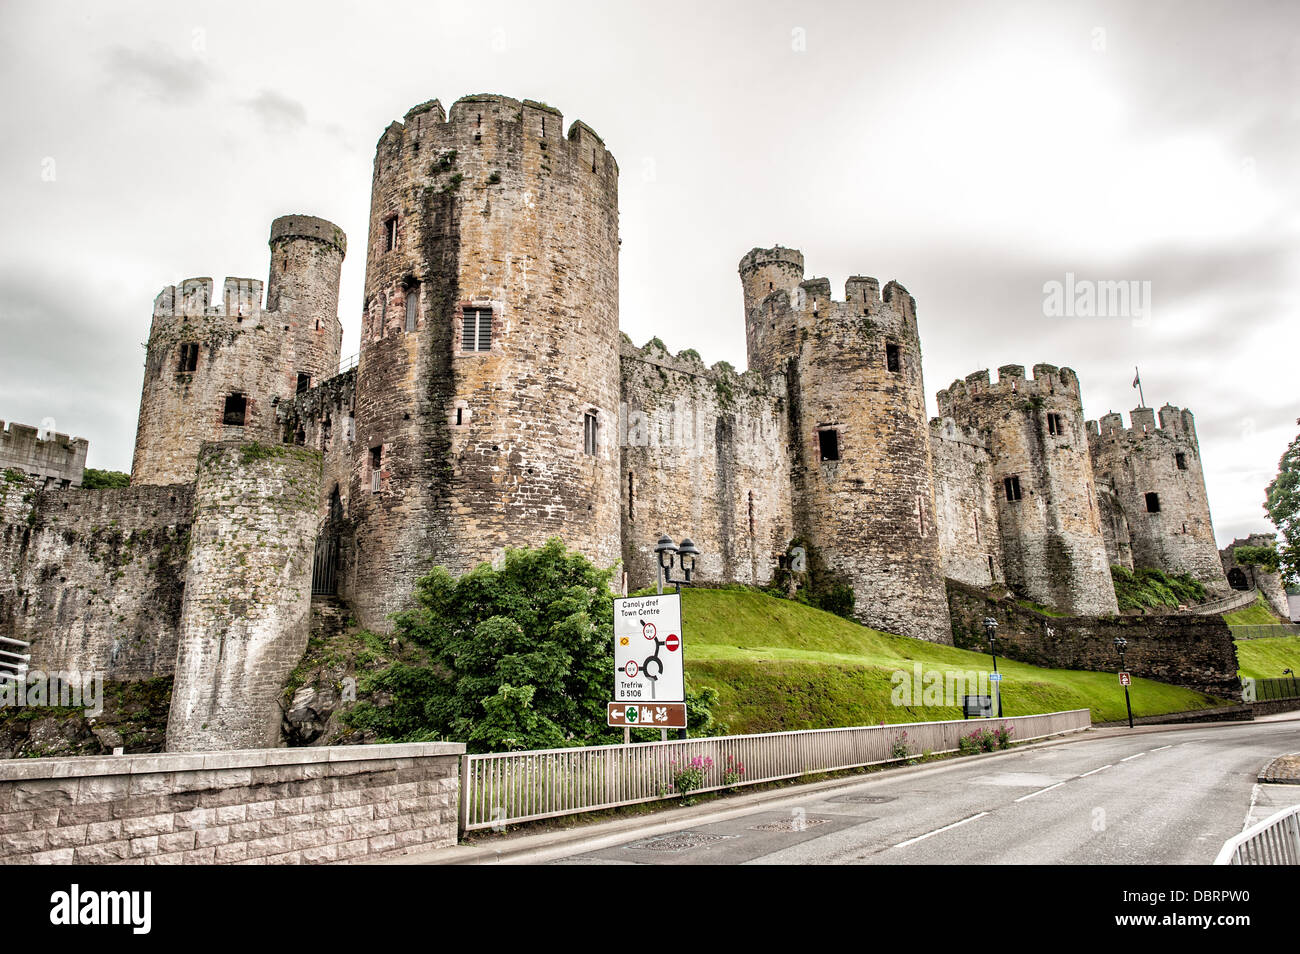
(56, 460)
(1192, 651)
(95, 577)
(269, 806)
(1268, 584)
(242, 348)
(245, 617)
(965, 505)
(704, 455)
(492, 207)
(1142, 459)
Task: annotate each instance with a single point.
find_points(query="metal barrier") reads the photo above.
(511, 787)
(1264, 630)
(1274, 841)
(1226, 605)
(1270, 690)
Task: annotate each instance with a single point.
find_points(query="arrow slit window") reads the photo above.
(590, 433)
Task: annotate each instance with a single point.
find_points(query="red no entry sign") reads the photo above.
(672, 642)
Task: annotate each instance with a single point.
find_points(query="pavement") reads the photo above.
(1152, 795)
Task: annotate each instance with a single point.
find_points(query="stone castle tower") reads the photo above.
(1052, 544)
(488, 383)
(215, 371)
(861, 472)
(1155, 478)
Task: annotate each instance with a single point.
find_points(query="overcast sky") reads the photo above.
(971, 151)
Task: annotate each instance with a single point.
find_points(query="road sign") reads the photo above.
(995, 677)
(648, 651)
(979, 707)
(651, 715)
(1125, 679)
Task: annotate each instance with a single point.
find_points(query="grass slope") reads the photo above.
(1266, 658)
(780, 665)
(1258, 613)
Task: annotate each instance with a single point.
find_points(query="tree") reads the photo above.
(92, 479)
(517, 657)
(1283, 506)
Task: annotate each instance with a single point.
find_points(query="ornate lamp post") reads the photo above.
(991, 628)
(681, 555)
(1121, 644)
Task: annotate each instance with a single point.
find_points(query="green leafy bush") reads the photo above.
(92, 479)
(1144, 588)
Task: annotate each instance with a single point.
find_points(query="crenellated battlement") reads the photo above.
(192, 298)
(1047, 381)
(1175, 424)
(54, 455)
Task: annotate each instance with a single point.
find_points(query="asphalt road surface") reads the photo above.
(1166, 797)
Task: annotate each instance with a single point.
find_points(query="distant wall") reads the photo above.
(1192, 651)
(965, 506)
(58, 460)
(95, 577)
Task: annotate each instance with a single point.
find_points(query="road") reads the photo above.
(1165, 797)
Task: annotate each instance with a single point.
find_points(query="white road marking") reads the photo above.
(1161, 748)
(1095, 771)
(928, 834)
(1254, 794)
(1132, 757)
(1040, 791)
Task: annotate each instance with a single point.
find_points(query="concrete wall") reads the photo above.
(56, 459)
(242, 348)
(492, 207)
(269, 806)
(1192, 651)
(705, 455)
(245, 617)
(1166, 460)
(1052, 539)
(94, 577)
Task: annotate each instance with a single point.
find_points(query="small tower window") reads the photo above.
(589, 433)
(476, 330)
(1181, 460)
(1055, 425)
(376, 468)
(390, 233)
(828, 443)
(304, 381)
(189, 357)
(1011, 485)
(631, 494)
(412, 308)
(893, 358)
(1153, 503)
(236, 410)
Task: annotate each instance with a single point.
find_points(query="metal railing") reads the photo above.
(1264, 630)
(512, 787)
(1270, 690)
(1229, 603)
(1274, 841)
(348, 363)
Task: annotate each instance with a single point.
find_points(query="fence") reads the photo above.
(512, 787)
(1226, 605)
(1270, 690)
(1264, 630)
(1274, 841)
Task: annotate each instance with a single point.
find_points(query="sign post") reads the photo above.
(1125, 680)
(649, 666)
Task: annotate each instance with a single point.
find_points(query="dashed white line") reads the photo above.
(929, 834)
(1132, 757)
(1095, 771)
(1163, 747)
(1039, 792)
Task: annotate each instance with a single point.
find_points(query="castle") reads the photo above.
(494, 403)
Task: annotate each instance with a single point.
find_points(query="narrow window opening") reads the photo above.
(631, 494)
(460, 416)
(1055, 425)
(476, 330)
(390, 233)
(376, 467)
(751, 513)
(1153, 503)
(304, 381)
(189, 357)
(1181, 460)
(977, 528)
(991, 576)
(828, 442)
(893, 358)
(236, 410)
(412, 308)
(589, 433)
(1011, 485)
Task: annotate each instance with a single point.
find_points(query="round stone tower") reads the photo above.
(1052, 542)
(488, 382)
(216, 370)
(861, 468)
(1155, 472)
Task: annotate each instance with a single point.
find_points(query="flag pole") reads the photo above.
(1137, 383)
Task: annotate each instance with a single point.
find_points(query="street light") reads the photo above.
(1121, 644)
(991, 628)
(682, 555)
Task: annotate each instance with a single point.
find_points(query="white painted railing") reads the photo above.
(511, 787)
(1274, 841)
(1229, 603)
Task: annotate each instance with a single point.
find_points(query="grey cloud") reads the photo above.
(158, 73)
(279, 113)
